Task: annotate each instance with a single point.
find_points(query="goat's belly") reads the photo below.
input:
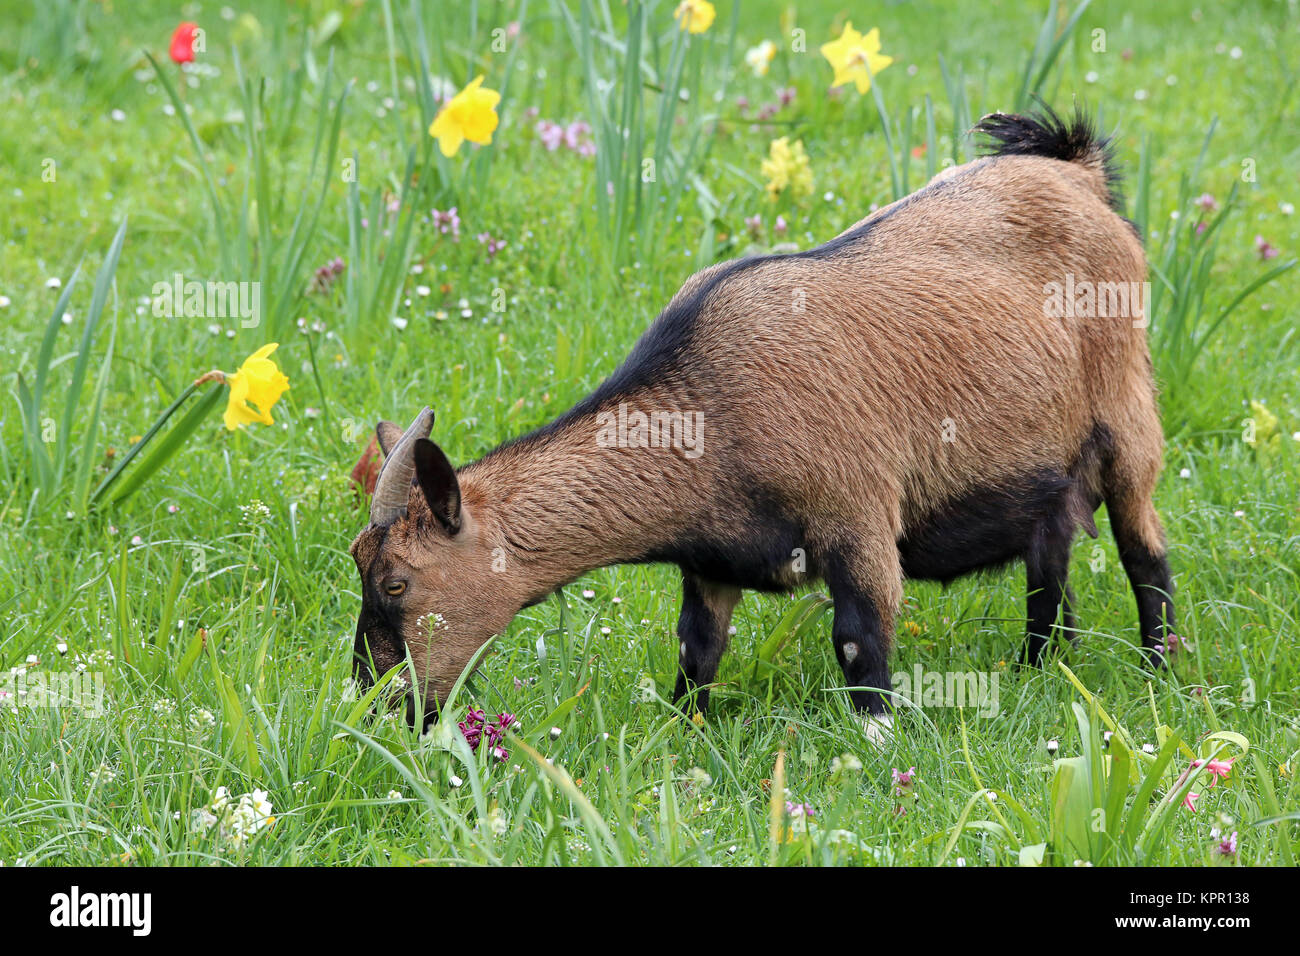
(984, 528)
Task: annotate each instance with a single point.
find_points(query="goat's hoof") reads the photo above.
(878, 730)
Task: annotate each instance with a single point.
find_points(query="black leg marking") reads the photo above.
(1148, 573)
(861, 642)
(702, 632)
(1047, 565)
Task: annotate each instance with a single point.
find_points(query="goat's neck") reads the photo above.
(563, 503)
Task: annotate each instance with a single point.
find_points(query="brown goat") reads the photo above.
(903, 401)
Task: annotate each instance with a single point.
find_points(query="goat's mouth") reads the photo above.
(400, 696)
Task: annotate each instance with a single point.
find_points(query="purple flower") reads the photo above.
(493, 245)
(742, 103)
(1227, 846)
(780, 225)
(1265, 249)
(786, 95)
(755, 226)
(322, 280)
(447, 223)
(475, 727)
(799, 809)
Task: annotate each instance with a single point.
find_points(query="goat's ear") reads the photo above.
(388, 435)
(437, 479)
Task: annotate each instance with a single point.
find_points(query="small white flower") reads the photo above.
(4, 301)
(588, 593)
(699, 777)
(455, 780)
(758, 58)
(846, 763)
(1185, 473)
(1139, 94)
(1092, 76)
(555, 733)
(394, 795)
(61, 647)
(399, 323)
(117, 115)
(53, 282)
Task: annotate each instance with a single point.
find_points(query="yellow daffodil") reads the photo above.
(856, 57)
(469, 115)
(260, 381)
(786, 167)
(695, 15)
(758, 58)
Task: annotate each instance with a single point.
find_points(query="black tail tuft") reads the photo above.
(1046, 134)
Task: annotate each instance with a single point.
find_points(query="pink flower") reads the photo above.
(742, 103)
(493, 245)
(903, 780)
(755, 225)
(574, 134)
(1265, 249)
(550, 134)
(780, 225)
(447, 223)
(1189, 801)
(1217, 768)
(800, 809)
(1227, 846)
(1172, 643)
(1206, 202)
(786, 95)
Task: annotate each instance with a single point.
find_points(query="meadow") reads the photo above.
(195, 580)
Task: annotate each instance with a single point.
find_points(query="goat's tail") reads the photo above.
(1046, 134)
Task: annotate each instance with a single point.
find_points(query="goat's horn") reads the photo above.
(393, 489)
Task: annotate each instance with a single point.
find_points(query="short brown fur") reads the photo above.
(827, 384)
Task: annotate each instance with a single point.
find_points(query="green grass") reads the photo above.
(627, 780)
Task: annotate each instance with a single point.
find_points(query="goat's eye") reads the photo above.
(395, 587)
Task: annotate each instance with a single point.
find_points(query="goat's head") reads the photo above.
(434, 580)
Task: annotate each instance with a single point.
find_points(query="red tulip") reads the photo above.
(182, 49)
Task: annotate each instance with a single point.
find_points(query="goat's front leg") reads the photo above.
(702, 631)
(866, 585)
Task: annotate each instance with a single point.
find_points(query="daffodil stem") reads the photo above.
(173, 441)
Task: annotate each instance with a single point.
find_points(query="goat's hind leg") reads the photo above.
(1047, 566)
(702, 631)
